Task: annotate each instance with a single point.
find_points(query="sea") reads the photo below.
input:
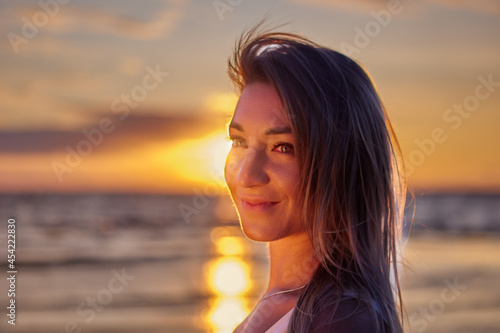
(140, 263)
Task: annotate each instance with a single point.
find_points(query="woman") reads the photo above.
(314, 171)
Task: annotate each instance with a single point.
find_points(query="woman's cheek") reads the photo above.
(231, 169)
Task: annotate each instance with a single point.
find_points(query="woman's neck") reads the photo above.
(291, 262)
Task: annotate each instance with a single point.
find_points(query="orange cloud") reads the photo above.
(485, 6)
(143, 153)
(133, 131)
(132, 20)
(363, 6)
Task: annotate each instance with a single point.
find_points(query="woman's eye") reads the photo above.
(237, 141)
(285, 148)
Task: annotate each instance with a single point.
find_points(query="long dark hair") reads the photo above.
(351, 184)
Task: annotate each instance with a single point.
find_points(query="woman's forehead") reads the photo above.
(260, 103)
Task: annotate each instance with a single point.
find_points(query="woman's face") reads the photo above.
(261, 169)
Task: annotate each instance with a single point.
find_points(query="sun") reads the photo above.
(195, 161)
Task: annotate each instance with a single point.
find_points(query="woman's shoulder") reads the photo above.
(350, 315)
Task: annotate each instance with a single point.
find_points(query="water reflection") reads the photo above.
(226, 313)
(228, 276)
(228, 279)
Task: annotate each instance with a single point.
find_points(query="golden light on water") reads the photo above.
(227, 313)
(228, 278)
(229, 246)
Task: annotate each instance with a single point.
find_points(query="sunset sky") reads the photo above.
(133, 96)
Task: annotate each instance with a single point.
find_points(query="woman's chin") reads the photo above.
(259, 234)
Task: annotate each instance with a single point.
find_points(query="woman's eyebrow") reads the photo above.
(279, 130)
(236, 126)
(270, 131)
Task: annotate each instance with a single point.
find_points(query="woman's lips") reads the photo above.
(258, 205)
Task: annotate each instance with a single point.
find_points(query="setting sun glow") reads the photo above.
(198, 160)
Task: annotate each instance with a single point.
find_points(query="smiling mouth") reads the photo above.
(258, 206)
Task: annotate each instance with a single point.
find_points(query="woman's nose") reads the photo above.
(252, 170)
